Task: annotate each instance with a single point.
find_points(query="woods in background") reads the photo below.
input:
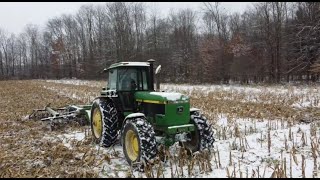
(270, 42)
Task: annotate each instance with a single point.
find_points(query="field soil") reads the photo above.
(260, 131)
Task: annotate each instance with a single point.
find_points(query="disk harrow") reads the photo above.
(59, 117)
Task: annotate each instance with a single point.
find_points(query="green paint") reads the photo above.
(170, 130)
(84, 110)
(180, 129)
(173, 121)
(88, 115)
(142, 95)
(127, 113)
(159, 97)
(173, 117)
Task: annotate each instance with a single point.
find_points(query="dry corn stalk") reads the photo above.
(269, 141)
(303, 167)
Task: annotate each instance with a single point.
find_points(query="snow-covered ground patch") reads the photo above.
(296, 96)
(78, 82)
(279, 89)
(86, 97)
(242, 144)
(248, 146)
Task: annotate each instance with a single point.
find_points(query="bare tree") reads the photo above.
(216, 21)
(2, 39)
(12, 53)
(5, 49)
(183, 43)
(119, 14)
(271, 42)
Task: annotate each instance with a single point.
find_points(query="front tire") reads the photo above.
(138, 141)
(202, 138)
(104, 122)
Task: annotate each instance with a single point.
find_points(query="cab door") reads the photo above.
(127, 81)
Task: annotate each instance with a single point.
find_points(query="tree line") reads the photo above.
(269, 42)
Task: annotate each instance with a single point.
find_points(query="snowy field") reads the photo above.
(260, 131)
(306, 96)
(249, 140)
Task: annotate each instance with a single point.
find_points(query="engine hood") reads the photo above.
(161, 97)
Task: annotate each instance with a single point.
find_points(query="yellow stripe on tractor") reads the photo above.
(151, 101)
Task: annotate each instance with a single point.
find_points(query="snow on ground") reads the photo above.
(307, 96)
(256, 153)
(73, 93)
(245, 139)
(78, 82)
(278, 89)
(253, 155)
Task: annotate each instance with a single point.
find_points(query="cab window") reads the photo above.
(132, 79)
(112, 80)
(127, 79)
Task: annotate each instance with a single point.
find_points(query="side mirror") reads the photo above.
(103, 71)
(103, 89)
(158, 69)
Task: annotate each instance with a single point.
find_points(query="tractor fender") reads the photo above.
(133, 115)
(194, 110)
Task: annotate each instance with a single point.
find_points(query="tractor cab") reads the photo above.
(127, 78)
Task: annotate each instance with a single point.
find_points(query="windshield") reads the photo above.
(132, 78)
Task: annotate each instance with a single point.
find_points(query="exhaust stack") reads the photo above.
(151, 61)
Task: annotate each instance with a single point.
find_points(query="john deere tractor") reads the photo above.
(130, 107)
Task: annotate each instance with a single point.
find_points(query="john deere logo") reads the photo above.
(180, 109)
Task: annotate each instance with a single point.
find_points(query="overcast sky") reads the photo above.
(15, 15)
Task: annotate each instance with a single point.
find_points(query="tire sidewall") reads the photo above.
(129, 126)
(200, 129)
(197, 130)
(94, 106)
(203, 128)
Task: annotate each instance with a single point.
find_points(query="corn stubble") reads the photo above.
(26, 153)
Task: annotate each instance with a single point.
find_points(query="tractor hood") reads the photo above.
(161, 97)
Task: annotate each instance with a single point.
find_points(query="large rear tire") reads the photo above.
(202, 138)
(104, 122)
(138, 141)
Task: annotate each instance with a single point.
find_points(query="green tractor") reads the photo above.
(129, 107)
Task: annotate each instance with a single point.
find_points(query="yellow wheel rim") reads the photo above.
(97, 123)
(132, 145)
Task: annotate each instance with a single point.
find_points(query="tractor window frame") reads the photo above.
(112, 77)
(141, 81)
(144, 79)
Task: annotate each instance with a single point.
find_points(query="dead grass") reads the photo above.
(25, 153)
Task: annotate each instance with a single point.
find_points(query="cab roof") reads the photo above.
(121, 64)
